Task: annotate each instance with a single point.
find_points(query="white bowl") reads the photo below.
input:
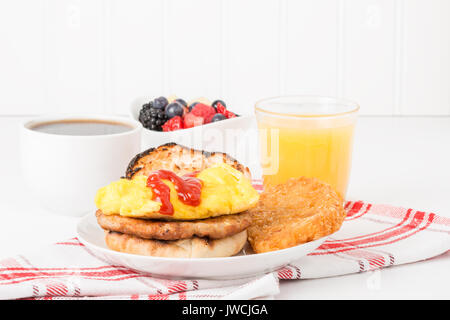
(235, 136)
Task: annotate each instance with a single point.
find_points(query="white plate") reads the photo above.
(245, 264)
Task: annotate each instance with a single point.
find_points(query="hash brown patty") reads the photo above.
(298, 211)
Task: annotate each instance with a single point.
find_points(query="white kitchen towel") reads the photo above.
(371, 237)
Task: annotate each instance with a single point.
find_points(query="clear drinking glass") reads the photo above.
(308, 136)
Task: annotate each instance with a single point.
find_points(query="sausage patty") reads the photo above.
(213, 228)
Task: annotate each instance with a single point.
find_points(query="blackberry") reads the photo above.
(152, 118)
(147, 105)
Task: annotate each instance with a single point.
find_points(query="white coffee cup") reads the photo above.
(64, 172)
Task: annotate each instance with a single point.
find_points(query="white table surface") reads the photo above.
(402, 161)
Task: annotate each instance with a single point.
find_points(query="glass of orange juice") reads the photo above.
(306, 136)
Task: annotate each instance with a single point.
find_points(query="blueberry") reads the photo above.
(193, 104)
(182, 102)
(160, 103)
(218, 117)
(214, 104)
(174, 109)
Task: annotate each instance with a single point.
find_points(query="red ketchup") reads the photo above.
(188, 189)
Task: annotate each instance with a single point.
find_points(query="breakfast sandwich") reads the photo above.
(178, 202)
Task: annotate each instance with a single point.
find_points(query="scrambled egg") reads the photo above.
(225, 190)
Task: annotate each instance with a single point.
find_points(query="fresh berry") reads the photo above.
(192, 105)
(218, 117)
(152, 118)
(174, 109)
(227, 113)
(191, 120)
(173, 124)
(220, 108)
(147, 105)
(204, 111)
(160, 103)
(216, 102)
(182, 102)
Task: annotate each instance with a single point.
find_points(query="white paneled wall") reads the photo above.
(392, 56)
(136, 52)
(250, 51)
(369, 53)
(310, 47)
(22, 57)
(426, 52)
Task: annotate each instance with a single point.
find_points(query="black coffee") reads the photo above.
(82, 127)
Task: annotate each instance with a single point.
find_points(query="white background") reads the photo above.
(392, 56)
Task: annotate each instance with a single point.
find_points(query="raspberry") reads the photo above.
(221, 109)
(204, 111)
(216, 102)
(229, 114)
(191, 120)
(173, 124)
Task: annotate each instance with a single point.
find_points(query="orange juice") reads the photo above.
(311, 145)
(324, 153)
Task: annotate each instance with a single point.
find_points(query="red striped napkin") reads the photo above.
(371, 237)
